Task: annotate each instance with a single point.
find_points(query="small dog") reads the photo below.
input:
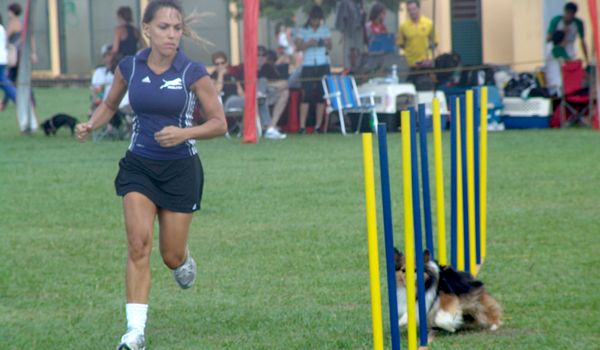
(454, 300)
(52, 124)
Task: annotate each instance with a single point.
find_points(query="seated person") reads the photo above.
(101, 82)
(555, 54)
(274, 89)
(226, 83)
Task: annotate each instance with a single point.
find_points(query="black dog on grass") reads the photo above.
(50, 125)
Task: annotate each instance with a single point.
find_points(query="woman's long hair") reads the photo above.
(316, 12)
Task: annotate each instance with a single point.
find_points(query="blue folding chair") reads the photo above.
(343, 97)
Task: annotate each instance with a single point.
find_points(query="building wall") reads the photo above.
(498, 31)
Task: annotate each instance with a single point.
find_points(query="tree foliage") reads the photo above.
(285, 9)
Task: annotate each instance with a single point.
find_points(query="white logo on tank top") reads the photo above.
(174, 84)
(146, 80)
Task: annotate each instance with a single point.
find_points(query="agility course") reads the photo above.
(468, 168)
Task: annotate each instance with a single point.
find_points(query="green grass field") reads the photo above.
(281, 243)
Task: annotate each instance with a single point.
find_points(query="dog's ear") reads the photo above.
(427, 256)
(398, 259)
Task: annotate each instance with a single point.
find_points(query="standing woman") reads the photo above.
(5, 84)
(13, 35)
(127, 39)
(314, 39)
(160, 176)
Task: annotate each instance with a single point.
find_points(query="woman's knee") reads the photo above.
(173, 258)
(139, 244)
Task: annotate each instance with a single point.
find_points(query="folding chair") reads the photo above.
(119, 128)
(234, 112)
(575, 103)
(342, 96)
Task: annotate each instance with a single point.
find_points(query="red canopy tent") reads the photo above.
(251, 12)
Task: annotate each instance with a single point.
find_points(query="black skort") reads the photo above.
(175, 185)
(311, 83)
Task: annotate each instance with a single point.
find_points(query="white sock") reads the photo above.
(137, 315)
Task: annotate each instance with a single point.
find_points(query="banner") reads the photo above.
(251, 10)
(25, 111)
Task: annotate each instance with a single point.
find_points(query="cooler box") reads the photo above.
(533, 112)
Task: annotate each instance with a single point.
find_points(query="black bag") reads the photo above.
(521, 86)
(480, 76)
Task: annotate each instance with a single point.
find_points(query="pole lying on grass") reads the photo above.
(439, 182)
(472, 265)
(483, 170)
(367, 140)
(388, 234)
(425, 178)
(417, 229)
(409, 245)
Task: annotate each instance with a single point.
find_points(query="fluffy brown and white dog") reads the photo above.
(454, 300)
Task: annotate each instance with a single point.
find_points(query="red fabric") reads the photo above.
(292, 124)
(555, 119)
(573, 76)
(578, 99)
(376, 28)
(251, 9)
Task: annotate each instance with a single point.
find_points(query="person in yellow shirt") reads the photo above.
(416, 37)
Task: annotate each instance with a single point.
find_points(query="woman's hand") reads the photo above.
(170, 136)
(82, 130)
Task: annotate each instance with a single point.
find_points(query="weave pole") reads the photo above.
(417, 229)
(439, 182)
(483, 170)
(425, 179)
(453, 182)
(367, 140)
(460, 237)
(477, 121)
(472, 265)
(388, 234)
(409, 244)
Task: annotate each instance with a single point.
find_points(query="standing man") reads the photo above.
(417, 37)
(350, 20)
(572, 26)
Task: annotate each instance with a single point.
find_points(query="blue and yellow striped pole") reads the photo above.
(388, 234)
(460, 236)
(423, 334)
(409, 244)
(367, 140)
(453, 182)
(477, 121)
(483, 170)
(425, 179)
(471, 183)
(439, 182)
